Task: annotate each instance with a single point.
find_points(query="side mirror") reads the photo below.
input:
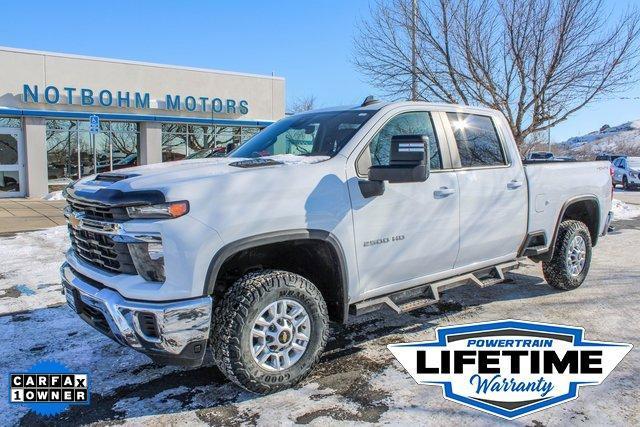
(407, 160)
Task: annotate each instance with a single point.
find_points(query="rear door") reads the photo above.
(493, 190)
(410, 231)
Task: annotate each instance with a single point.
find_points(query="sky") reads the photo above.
(310, 44)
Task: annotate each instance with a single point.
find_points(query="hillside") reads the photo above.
(621, 139)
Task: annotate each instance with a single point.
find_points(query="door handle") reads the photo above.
(514, 184)
(443, 192)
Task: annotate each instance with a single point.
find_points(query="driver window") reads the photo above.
(411, 123)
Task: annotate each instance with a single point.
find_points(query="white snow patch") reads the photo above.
(622, 210)
(30, 266)
(56, 195)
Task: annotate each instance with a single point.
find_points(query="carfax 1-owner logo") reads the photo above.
(48, 388)
(510, 368)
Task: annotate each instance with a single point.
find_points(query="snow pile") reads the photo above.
(56, 195)
(29, 271)
(622, 210)
(612, 140)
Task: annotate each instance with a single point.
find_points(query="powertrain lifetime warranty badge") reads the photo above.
(510, 368)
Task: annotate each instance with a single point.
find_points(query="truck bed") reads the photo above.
(553, 184)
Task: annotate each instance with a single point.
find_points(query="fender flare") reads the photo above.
(234, 247)
(552, 244)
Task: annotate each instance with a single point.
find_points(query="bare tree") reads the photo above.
(537, 61)
(302, 104)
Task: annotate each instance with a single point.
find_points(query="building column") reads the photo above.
(34, 139)
(150, 143)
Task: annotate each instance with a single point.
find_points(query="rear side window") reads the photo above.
(477, 140)
(412, 123)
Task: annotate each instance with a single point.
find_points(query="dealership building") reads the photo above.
(148, 113)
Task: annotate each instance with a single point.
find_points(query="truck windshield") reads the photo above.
(308, 134)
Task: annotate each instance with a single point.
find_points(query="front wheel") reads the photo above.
(269, 330)
(571, 259)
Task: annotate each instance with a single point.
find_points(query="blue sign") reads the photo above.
(94, 124)
(125, 99)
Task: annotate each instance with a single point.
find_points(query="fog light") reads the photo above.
(148, 258)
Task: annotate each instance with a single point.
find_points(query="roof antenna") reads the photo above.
(369, 100)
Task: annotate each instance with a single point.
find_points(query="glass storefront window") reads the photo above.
(174, 147)
(9, 122)
(247, 133)
(72, 154)
(124, 146)
(8, 150)
(180, 140)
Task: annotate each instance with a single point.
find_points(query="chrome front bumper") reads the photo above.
(169, 333)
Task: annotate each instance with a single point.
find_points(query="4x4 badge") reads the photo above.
(510, 368)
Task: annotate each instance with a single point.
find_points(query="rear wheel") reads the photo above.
(571, 259)
(269, 330)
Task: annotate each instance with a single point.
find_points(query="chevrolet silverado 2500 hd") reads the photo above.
(321, 216)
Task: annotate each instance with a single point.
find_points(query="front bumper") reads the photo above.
(169, 333)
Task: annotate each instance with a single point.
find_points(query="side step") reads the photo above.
(424, 295)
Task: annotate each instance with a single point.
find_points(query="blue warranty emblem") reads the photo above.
(48, 388)
(510, 368)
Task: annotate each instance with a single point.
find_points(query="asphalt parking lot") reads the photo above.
(357, 381)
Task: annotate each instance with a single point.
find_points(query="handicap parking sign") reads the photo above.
(94, 124)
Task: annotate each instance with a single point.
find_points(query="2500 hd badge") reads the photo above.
(510, 368)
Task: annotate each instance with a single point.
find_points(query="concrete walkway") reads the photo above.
(30, 214)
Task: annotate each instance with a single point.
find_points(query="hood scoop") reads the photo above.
(112, 177)
(255, 163)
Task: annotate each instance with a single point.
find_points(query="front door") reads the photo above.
(411, 230)
(12, 182)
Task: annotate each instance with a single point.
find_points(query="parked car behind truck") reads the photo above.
(626, 171)
(252, 255)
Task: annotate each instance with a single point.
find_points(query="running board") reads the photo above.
(424, 295)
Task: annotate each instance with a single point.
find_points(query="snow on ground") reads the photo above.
(357, 381)
(29, 271)
(622, 210)
(56, 195)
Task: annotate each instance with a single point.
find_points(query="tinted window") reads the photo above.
(414, 123)
(477, 140)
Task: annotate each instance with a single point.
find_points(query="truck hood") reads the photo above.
(162, 176)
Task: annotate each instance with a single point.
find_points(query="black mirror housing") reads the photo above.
(407, 160)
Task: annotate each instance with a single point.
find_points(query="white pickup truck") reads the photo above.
(322, 216)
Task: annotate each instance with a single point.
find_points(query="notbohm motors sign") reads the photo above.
(510, 368)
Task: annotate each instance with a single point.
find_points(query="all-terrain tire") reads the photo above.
(234, 317)
(557, 271)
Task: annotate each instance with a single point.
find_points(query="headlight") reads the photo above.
(160, 211)
(148, 259)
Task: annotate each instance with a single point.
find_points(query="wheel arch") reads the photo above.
(232, 249)
(584, 208)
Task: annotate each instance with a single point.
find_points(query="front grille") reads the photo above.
(98, 211)
(101, 251)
